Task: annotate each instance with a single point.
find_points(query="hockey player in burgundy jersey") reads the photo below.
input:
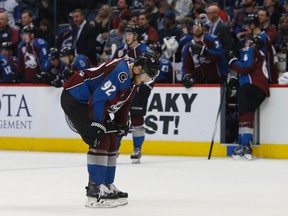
(32, 56)
(252, 24)
(254, 88)
(203, 58)
(132, 49)
(88, 98)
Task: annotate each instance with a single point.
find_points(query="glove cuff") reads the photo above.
(99, 125)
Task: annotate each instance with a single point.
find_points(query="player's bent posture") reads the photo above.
(88, 99)
(254, 88)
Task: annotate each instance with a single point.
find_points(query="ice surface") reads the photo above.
(49, 184)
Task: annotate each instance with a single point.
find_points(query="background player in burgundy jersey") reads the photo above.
(132, 49)
(32, 56)
(88, 99)
(254, 88)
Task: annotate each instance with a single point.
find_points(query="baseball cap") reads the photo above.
(170, 14)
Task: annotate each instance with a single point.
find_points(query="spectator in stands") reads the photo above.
(181, 7)
(265, 25)
(220, 29)
(153, 11)
(171, 28)
(12, 8)
(133, 20)
(7, 64)
(149, 34)
(102, 20)
(83, 36)
(46, 31)
(198, 8)
(248, 7)
(7, 33)
(132, 49)
(73, 62)
(26, 18)
(32, 56)
(116, 36)
(123, 7)
(166, 69)
(54, 74)
(203, 58)
(272, 8)
(282, 35)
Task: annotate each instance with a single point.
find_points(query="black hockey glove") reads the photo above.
(57, 82)
(198, 49)
(123, 130)
(188, 81)
(100, 131)
(46, 78)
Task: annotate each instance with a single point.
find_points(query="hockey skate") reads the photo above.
(242, 152)
(136, 155)
(122, 195)
(99, 196)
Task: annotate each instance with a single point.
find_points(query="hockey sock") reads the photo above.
(246, 128)
(97, 167)
(138, 136)
(111, 169)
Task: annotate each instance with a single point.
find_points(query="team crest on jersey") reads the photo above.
(122, 77)
(82, 63)
(40, 41)
(3, 62)
(30, 60)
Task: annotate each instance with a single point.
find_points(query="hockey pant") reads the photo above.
(101, 160)
(250, 98)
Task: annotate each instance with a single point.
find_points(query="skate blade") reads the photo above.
(248, 156)
(102, 203)
(135, 161)
(242, 158)
(123, 201)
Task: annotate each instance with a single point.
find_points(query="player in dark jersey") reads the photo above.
(132, 49)
(88, 99)
(254, 88)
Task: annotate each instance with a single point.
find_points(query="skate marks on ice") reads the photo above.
(158, 186)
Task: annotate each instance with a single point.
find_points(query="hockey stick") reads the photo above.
(215, 126)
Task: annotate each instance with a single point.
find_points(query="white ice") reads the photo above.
(50, 184)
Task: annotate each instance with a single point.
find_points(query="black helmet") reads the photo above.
(251, 18)
(155, 48)
(7, 45)
(66, 51)
(29, 29)
(150, 64)
(258, 41)
(53, 54)
(133, 28)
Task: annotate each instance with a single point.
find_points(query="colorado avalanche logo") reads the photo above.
(30, 61)
(3, 62)
(122, 77)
